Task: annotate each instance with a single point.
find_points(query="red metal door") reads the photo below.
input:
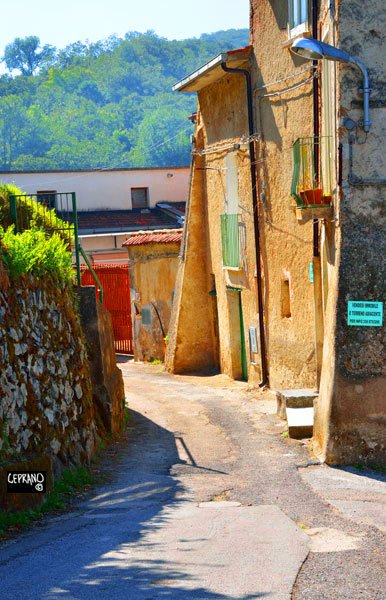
(116, 299)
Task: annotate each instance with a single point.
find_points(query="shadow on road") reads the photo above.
(93, 554)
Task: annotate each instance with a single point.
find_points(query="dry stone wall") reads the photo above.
(46, 404)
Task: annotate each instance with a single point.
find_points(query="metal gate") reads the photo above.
(115, 281)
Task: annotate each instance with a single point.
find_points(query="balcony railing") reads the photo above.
(232, 241)
(312, 174)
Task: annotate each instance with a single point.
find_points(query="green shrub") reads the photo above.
(33, 252)
(31, 213)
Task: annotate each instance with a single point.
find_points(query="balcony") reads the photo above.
(232, 239)
(312, 177)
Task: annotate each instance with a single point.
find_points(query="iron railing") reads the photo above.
(53, 213)
(231, 240)
(312, 171)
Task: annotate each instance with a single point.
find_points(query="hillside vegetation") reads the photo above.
(102, 105)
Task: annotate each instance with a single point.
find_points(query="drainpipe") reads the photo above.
(315, 93)
(252, 156)
(316, 261)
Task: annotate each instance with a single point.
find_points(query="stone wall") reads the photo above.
(350, 415)
(45, 389)
(107, 382)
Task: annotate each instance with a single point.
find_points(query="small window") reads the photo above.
(47, 198)
(285, 299)
(232, 183)
(298, 17)
(139, 197)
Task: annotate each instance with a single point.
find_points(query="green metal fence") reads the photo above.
(51, 212)
(54, 213)
(230, 239)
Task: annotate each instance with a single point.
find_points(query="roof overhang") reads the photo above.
(212, 70)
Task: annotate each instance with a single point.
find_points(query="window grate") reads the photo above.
(231, 239)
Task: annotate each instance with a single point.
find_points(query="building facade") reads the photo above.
(284, 224)
(153, 263)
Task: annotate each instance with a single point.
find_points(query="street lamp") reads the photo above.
(315, 50)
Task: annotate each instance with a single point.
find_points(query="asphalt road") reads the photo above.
(206, 500)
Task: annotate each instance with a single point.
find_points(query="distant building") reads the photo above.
(113, 203)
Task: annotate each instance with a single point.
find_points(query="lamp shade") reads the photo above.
(315, 50)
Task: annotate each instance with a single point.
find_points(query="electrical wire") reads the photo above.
(297, 74)
(88, 171)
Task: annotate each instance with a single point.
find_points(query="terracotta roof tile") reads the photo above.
(155, 237)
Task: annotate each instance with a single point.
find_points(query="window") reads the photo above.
(47, 197)
(232, 183)
(232, 232)
(298, 17)
(285, 299)
(139, 197)
(327, 125)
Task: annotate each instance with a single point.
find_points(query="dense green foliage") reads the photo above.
(39, 249)
(102, 105)
(31, 213)
(35, 253)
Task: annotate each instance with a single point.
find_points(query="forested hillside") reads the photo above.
(103, 105)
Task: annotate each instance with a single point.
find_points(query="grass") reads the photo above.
(126, 415)
(156, 361)
(70, 484)
(285, 434)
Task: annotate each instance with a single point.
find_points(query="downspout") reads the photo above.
(316, 261)
(315, 93)
(252, 156)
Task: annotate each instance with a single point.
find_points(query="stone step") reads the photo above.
(300, 422)
(296, 398)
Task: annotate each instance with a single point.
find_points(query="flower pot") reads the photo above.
(311, 197)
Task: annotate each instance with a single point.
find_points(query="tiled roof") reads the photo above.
(164, 236)
(98, 221)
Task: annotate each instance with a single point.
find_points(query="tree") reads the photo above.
(162, 139)
(23, 55)
(106, 104)
(13, 120)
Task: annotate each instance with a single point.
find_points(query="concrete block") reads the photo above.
(296, 398)
(300, 422)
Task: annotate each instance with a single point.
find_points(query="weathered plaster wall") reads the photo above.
(46, 396)
(281, 118)
(193, 344)
(350, 421)
(153, 270)
(206, 327)
(224, 120)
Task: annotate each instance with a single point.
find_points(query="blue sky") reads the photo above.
(60, 22)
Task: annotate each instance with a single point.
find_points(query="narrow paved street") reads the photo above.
(207, 500)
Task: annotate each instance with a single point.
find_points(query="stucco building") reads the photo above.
(153, 263)
(284, 228)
